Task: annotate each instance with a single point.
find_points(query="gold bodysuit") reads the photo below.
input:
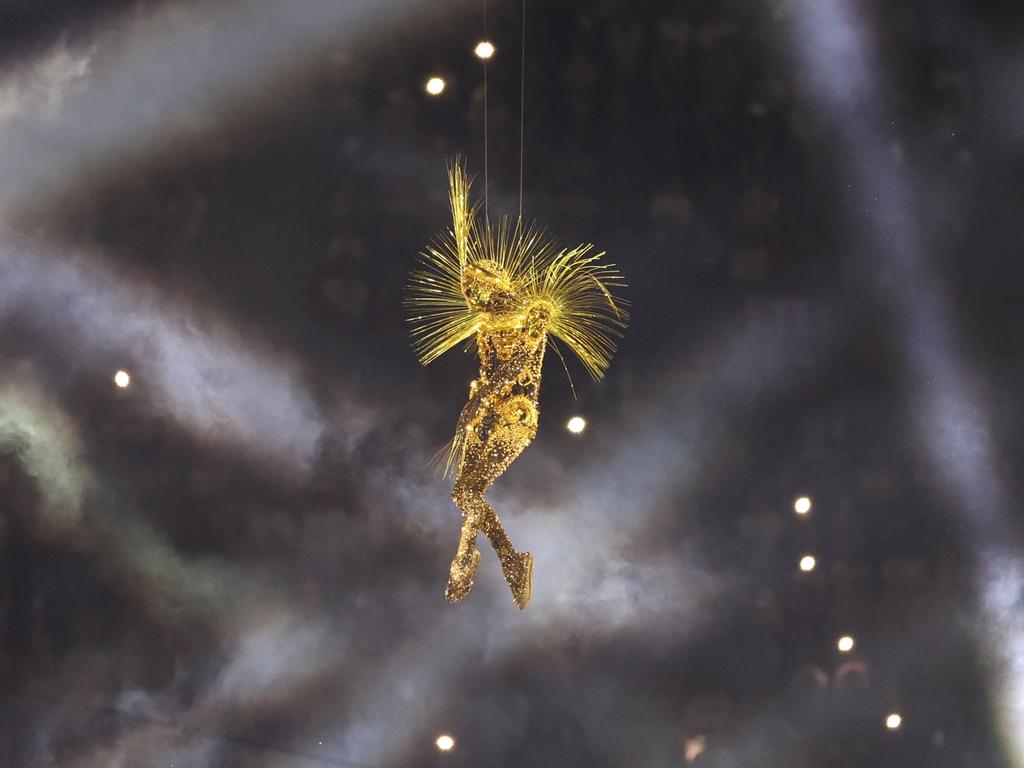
(512, 289)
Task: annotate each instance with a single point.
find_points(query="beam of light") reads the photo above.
(213, 380)
(831, 44)
(576, 425)
(142, 80)
(159, 74)
(271, 650)
(154, 77)
(48, 448)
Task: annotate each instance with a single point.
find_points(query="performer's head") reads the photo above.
(487, 287)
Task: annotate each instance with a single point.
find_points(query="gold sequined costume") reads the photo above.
(515, 290)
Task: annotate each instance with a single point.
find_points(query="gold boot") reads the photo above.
(519, 575)
(460, 576)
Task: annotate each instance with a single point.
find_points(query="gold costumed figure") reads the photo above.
(515, 290)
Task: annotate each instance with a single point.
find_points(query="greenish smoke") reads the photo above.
(48, 450)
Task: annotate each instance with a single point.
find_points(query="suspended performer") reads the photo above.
(514, 289)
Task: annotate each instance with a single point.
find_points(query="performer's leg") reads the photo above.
(480, 516)
(517, 566)
(488, 452)
(477, 515)
(467, 557)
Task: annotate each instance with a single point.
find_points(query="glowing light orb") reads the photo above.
(845, 644)
(122, 379)
(484, 50)
(893, 721)
(445, 743)
(576, 424)
(807, 563)
(435, 86)
(802, 505)
(694, 748)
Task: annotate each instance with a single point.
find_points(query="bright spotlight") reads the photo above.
(484, 50)
(802, 505)
(576, 424)
(807, 563)
(122, 379)
(435, 86)
(845, 644)
(893, 721)
(445, 743)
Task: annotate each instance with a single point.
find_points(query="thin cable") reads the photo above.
(487, 208)
(522, 112)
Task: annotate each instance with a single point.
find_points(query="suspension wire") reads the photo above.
(522, 112)
(487, 208)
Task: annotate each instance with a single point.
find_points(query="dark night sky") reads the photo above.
(239, 560)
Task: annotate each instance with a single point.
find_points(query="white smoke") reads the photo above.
(184, 357)
(37, 90)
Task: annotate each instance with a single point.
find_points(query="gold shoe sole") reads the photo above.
(522, 597)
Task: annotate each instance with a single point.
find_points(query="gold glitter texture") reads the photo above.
(516, 290)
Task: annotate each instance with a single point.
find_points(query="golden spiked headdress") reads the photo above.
(586, 314)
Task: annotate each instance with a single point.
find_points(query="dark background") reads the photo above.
(239, 560)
